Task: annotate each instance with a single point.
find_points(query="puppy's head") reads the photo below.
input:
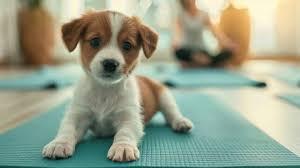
(110, 43)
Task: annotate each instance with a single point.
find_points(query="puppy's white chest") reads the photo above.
(108, 104)
(103, 126)
(103, 105)
(104, 111)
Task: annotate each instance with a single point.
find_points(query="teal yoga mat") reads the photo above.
(221, 138)
(286, 73)
(293, 99)
(66, 75)
(157, 71)
(52, 77)
(44, 78)
(170, 74)
(211, 78)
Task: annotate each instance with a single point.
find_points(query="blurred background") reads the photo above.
(244, 54)
(272, 32)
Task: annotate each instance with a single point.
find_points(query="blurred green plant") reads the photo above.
(33, 3)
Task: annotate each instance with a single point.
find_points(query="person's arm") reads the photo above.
(223, 40)
(177, 34)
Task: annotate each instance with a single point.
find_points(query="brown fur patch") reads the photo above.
(97, 24)
(98, 27)
(150, 92)
(89, 26)
(130, 33)
(139, 36)
(149, 38)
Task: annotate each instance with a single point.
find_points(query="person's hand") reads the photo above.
(175, 45)
(201, 60)
(232, 46)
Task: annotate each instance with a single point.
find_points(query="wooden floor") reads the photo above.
(20, 106)
(16, 107)
(260, 106)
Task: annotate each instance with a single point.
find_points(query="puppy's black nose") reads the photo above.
(110, 65)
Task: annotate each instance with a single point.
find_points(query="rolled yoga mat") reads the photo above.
(44, 78)
(211, 78)
(221, 138)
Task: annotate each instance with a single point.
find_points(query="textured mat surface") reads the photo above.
(211, 78)
(44, 78)
(293, 99)
(221, 138)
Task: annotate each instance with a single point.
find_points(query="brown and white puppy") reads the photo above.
(110, 100)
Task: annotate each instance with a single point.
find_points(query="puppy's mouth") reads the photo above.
(110, 77)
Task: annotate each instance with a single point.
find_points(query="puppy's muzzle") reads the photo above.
(110, 65)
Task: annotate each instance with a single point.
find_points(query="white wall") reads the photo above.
(288, 27)
(275, 27)
(9, 44)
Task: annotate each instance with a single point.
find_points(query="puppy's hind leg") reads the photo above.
(169, 108)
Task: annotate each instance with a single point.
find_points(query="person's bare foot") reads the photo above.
(187, 65)
(198, 61)
(184, 64)
(201, 60)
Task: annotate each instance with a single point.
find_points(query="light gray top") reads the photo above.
(192, 30)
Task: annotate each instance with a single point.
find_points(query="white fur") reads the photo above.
(106, 110)
(172, 114)
(111, 51)
(109, 108)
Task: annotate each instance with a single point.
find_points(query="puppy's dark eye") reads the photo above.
(95, 42)
(126, 46)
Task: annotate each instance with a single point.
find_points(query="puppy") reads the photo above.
(110, 100)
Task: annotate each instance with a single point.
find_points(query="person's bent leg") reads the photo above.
(222, 58)
(201, 58)
(183, 55)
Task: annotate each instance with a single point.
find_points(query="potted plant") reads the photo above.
(235, 23)
(36, 32)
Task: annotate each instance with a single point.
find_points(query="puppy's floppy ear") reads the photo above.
(71, 33)
(149, 39)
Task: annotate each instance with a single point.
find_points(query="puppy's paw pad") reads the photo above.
(123, 153)
(58, 150)
(182, 125)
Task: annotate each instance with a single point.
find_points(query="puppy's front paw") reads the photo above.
(123, 153)
(182, 125)
(58, 150)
